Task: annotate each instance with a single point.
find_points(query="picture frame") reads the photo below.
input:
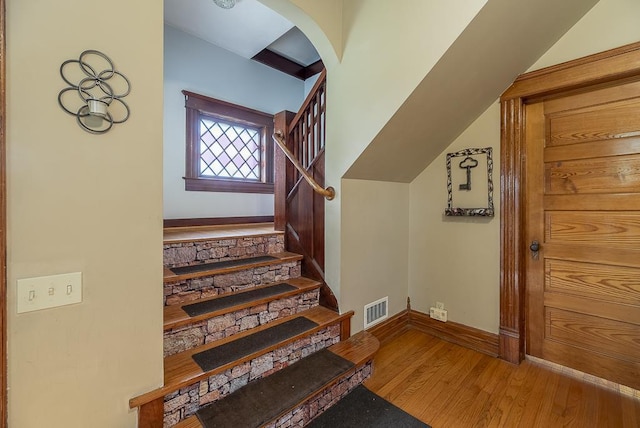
(471, 189)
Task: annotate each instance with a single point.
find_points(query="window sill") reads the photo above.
(218, 185)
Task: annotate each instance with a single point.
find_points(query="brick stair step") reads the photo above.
(218, 268)
(229, 314)
(359, 349)
(177, 315)
(181, 370)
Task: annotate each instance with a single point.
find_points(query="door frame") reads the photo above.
(3, 223)
(602, 69)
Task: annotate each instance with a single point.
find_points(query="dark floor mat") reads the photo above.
(363, 408)
(220, 265)
(236, 299)
(223, 354)
(263, 400)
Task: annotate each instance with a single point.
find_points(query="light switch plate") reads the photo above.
(49, 291)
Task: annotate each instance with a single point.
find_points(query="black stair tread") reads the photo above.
(358, 349)
(263, 400)
(176, 315)
(227, 266)
(185, 270)
(199, 308)
(214, 358)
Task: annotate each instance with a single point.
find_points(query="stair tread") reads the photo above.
(181, 370)
(357, 350)
(219, 356)
(176, 235)
(170, 274)
(176, 316)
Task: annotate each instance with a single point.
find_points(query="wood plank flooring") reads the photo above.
(446, 385)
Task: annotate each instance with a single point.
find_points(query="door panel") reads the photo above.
(597, 175)
(583, 206)
(619, 229)
(597, 281)
(594, 124)
(592, 149)
(596, 334)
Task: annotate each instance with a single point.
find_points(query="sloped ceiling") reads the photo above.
(502, 41)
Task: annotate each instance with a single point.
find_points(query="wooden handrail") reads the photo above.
(329, 193)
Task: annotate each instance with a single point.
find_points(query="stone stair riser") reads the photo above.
(188, 400)
(187, 337)
(303, 414)
(209, 286)
(193, 253)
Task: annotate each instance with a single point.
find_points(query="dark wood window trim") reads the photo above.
(197, 105)
(606, 68)
(215, 221)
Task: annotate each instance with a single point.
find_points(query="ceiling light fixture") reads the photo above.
(225, 4)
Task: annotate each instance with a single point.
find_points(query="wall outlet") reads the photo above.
(438, 314)
(49, 291)
(439, 305)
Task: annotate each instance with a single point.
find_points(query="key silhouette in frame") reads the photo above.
(468, 163)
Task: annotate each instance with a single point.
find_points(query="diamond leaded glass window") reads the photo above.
(229, 147)
(229, 151)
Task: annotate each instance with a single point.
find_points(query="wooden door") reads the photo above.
(583, 208)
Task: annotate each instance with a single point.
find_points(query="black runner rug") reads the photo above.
(363, 408)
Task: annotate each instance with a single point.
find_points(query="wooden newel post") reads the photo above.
(280, 123)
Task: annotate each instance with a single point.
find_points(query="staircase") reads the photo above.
(239, 323)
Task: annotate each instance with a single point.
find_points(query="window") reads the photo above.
(229, 147)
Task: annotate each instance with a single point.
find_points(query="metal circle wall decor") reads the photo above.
(95, 93)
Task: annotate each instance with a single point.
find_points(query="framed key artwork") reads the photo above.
(470, 183)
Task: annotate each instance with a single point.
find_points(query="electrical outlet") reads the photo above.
(438, 314)
(49, 291)
(439, 305)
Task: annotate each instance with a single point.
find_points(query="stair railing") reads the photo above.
(299, 208)
(329, 193)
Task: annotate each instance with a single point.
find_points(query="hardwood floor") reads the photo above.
(446, 385)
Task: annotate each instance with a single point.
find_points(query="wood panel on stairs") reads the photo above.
(299, 211)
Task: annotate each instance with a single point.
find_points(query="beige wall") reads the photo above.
(89, 203)
(457, 261)
(610, 24)
(375, 246)
(380, 43)
(362, 43)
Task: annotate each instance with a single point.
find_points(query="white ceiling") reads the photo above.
(245, 29)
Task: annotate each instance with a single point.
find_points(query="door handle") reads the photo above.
(535, 246)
